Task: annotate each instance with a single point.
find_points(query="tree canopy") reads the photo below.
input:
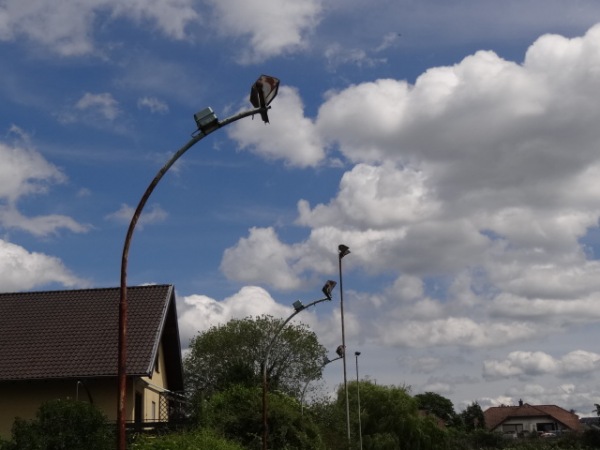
(236, 414)
(234, 353)
(437, 405)
(389, 416)
(390, 419)
(472, 417)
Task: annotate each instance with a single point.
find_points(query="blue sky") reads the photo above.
(453, 146)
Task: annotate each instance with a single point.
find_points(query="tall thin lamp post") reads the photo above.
(262, 93)
(356, 355)
(298, 308)
(344, 250)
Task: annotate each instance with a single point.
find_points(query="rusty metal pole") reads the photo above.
(122, 345)
(122, 360)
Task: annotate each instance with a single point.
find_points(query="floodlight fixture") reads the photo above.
(328, 288)
(356, 353)
(206, 120)
(343, 250)
(298, 306)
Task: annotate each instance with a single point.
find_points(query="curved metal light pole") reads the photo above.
(344, 250)
(298, 308)
(327, 361)
(262, 94)
(357, 354)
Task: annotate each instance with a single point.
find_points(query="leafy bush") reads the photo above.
(62, 425)
(591, 438)
(198, 440)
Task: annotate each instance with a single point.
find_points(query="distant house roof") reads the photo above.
(496, 415)
(590, 422)
(74, 334)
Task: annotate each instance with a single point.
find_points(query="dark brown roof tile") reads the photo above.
(72, 334)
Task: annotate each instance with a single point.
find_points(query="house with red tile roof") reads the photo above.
(526, 418)
(64, 344)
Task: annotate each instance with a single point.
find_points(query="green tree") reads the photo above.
(437, 405)
(233, 354)
(63, 425)
(388, 414)
(472, 417)
(390, 419)
(331, 418)
(237, 414)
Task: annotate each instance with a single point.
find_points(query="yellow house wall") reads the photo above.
(151, 387)
(23, 398)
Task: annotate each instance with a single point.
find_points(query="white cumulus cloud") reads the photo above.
(484, 173)
(289, 137)
(197, 313)
(525, 364)
(25, 172)
(21, 270)
(272, 27)
(103, 104)
(270, 260)
(153, 104)
(67, 27)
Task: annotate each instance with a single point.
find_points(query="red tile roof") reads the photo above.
(496, 415)
(74, 334)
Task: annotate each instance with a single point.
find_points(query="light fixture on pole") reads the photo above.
(344, 250)
(262, 93)
(356, 355)
(298, 308)
(325, 362)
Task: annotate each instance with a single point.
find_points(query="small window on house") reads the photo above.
(154, 411)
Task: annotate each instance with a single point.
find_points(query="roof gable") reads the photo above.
(496, 415)
(74, 334)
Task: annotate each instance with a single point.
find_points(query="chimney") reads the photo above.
(520, 402)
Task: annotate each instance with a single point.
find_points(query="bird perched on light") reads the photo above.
(262, 94)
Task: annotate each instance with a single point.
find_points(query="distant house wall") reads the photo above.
(530, 424)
